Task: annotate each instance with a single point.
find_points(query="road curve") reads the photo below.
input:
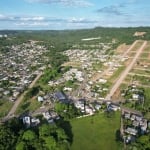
(126, 71)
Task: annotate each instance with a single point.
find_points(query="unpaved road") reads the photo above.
(126, 71)
(128, 50)
(20, 98)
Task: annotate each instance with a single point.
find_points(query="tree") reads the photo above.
(29, 136)
(21, 146)
(7, 139)
(50, 143)
(61, 135)
(46, 130)
(144, 141)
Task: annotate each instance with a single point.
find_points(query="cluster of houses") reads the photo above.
(17, 65)
(91, 64)
(134, 125)
(29, 121)
(134, 92)
(72, 74)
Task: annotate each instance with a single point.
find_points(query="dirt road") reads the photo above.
(20, 98)
(126, 71)
(128, 50)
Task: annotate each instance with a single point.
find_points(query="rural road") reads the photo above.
(20, 98)
(126, 52)
(125, 72)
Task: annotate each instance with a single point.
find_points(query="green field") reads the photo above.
(5, 106)
(95, 132)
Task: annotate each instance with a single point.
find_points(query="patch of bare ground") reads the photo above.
(126, 70)
(95, 77)
(126, 63)
(117, 96)
(139, 34)
(98, 75)
(122, 48)
(73, 64)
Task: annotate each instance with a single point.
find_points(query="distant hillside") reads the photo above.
(69, 37)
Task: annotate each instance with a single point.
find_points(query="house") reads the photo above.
(40, 99)
(54, 115)
(135, 96)
(88, 110)
(35, 121)
(60, 96)
(103, 81)
(127, 116)
(131, 131)
(27, 121)
(143, 125)
(46, 115)
(133, 117)
(113, 107)
(135, 123)
(98, 106)
(80, 104)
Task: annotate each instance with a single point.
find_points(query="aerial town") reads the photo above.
(96, 79)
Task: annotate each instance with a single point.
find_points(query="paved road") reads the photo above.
(20, 98)
(126, 71)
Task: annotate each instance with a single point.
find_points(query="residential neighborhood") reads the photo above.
(19, 65)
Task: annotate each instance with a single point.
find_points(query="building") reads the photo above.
(61, 97)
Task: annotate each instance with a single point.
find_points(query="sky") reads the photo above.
(72, 14)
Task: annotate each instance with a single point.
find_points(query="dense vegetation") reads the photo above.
(64, 39)
(15, 136)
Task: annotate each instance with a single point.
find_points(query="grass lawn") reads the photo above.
(5, 106)
(117, 73)
(95, 132)
(28, 105)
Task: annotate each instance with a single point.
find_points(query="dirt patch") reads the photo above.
(73, 64)
(139, 33)
(127, 62)
(117, 95)
(96, 76)
(121, 48)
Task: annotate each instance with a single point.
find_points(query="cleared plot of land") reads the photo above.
(125, 72)
(143, 72)
(137, 46)
(121, 49)
(147, 48)
(95, 132)
(131, 54)
(117, 94)
(145, 55)
(138, 79)
(73, 64)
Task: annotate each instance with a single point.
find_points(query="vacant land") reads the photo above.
(95, 132)
(5, 106)
(126, 71)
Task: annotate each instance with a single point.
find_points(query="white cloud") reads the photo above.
(38, 18)
(32, 24)
(74, 3)
(81, 20)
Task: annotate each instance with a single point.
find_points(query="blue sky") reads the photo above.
(73, 14)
